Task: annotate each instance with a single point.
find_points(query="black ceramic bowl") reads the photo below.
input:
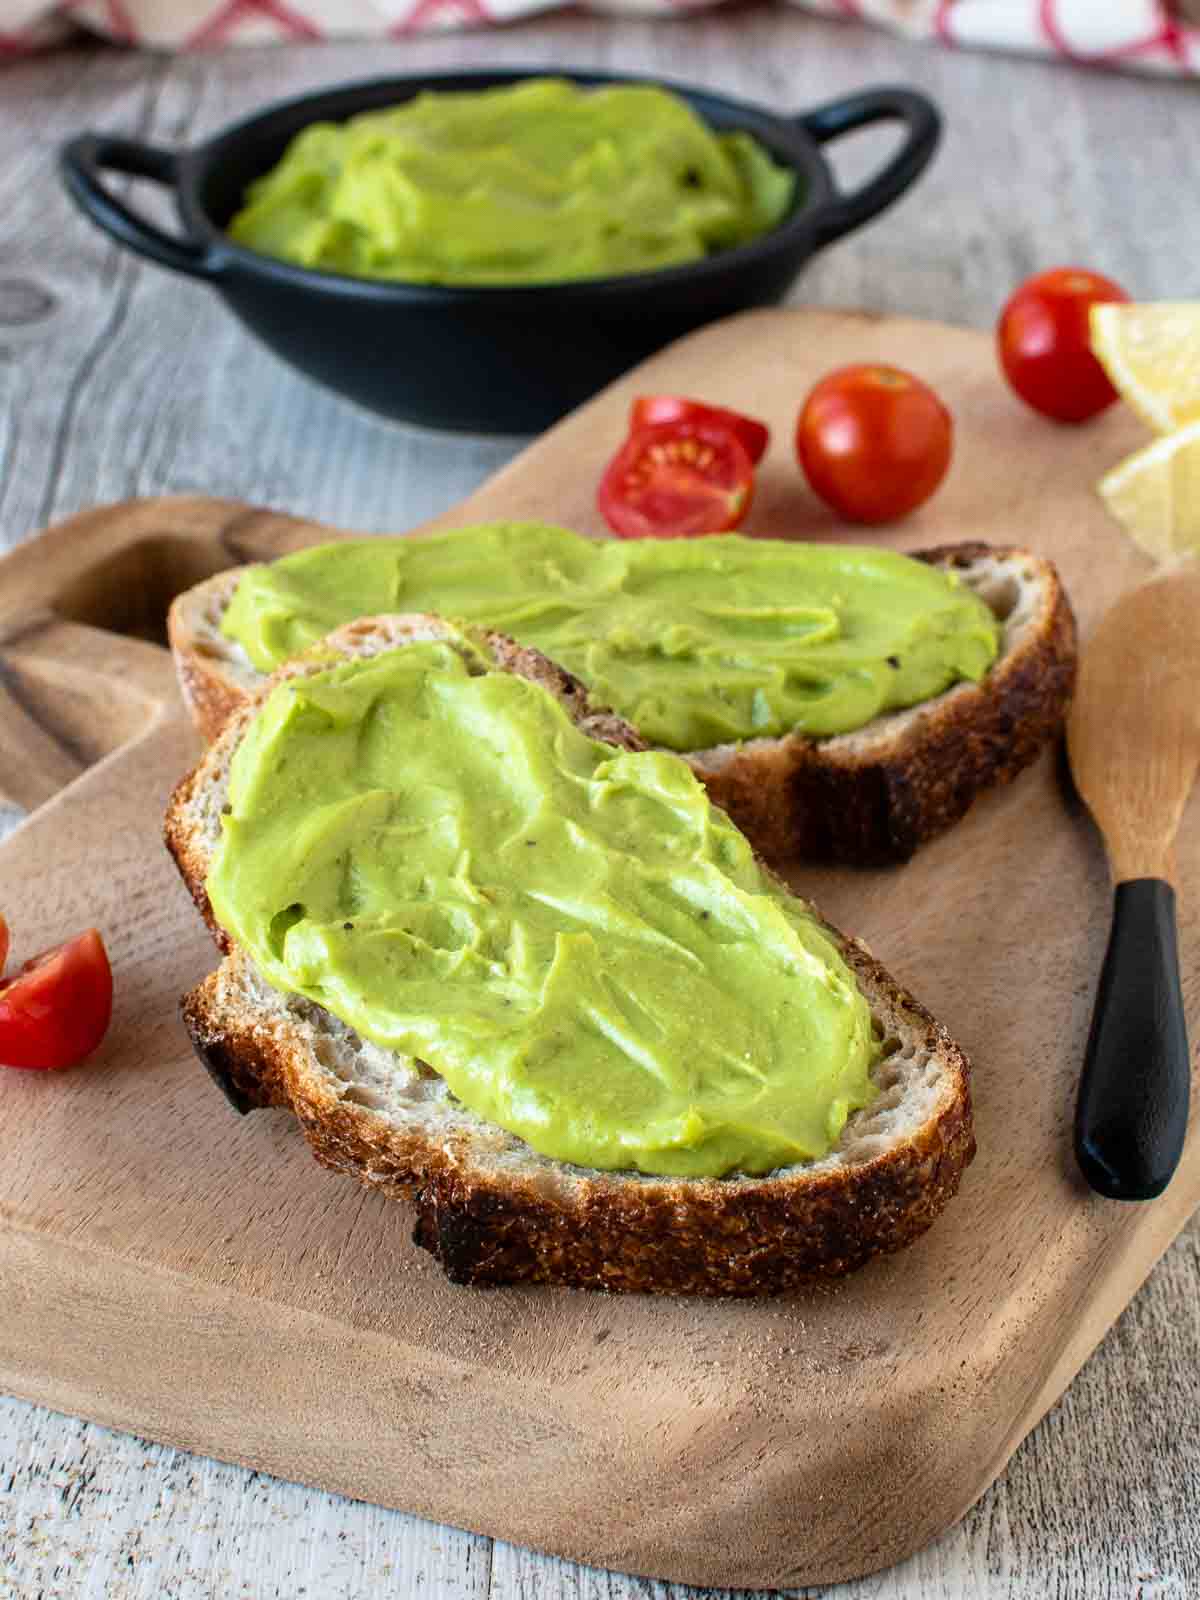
(489, 359)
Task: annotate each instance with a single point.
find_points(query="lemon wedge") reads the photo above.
(1155, 493)
(1152, 356)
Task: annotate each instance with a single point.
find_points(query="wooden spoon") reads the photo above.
(1133, 737)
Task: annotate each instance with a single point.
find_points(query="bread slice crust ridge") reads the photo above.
(865, 798)
(492, 1210)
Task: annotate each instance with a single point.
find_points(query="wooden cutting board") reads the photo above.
(169, 1268)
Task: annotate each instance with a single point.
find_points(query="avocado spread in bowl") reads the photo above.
(696, 642)
(540, 182)
(575, 939)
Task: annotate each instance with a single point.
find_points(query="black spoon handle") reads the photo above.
(1132, 1112)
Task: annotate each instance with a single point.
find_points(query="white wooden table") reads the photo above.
(117, 380)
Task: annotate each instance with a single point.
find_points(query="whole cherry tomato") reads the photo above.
(676, 480)
(752, 435)
(56, 1009)
(874, 441)
(1045, 348)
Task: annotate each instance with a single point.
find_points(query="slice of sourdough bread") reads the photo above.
(865, 798)
(490, 1208)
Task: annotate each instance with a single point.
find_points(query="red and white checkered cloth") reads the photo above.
(1150, 35)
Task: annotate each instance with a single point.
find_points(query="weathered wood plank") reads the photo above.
(94, 1515)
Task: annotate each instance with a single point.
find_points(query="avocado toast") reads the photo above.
(755, 724)
(490, 1204)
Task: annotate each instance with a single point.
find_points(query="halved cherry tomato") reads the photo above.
(676, 480)
(648, 409)
(1045, 346)
(874, 441)
(57, 1007)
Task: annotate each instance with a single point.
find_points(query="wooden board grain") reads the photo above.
(170, 1269)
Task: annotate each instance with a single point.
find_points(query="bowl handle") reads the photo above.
(923, 125)
(81, 163)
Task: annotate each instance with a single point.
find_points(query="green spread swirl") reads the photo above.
(697, 642)
(536, 183)
(572, 936)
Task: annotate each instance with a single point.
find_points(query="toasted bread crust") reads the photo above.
(732, 1236)
(492, 1221)
(859, 800)
(209, 692)
(245, 1065)
(184, 847)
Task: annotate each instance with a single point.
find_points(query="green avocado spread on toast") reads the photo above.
(696, 642)
(572, 936)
